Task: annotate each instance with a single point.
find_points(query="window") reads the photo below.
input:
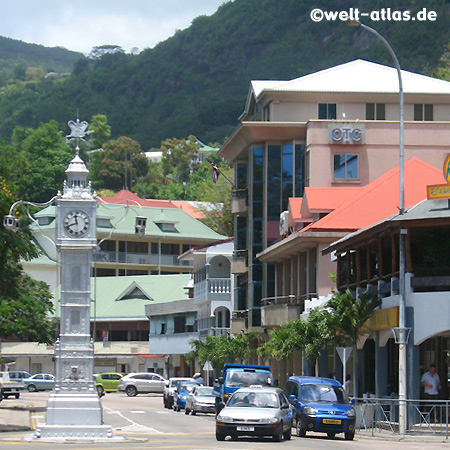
(423, 112)
(163, 328)
(375, 111)
(345, 166)
(327, 111)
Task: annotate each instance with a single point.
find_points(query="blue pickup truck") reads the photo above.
(236, 376)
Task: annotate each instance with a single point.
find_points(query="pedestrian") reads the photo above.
(432, 385)
(348, 385)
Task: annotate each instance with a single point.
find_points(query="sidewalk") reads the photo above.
(19, 415)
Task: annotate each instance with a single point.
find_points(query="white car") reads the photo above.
(170, 389)
(142, 383)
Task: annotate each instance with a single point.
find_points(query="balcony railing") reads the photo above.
(239, 202)
(212, 288)
(239, 262)
(139, 258)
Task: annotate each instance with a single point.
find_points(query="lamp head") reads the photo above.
(10, 223)
(353, 23)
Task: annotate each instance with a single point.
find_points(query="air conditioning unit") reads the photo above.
(284, 223)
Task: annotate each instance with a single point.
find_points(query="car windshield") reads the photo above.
(187, 387)
(254, 399)
(240, 378)
(323, 393)
(205, 391)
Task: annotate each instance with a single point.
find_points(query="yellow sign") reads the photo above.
(437, 191)
(384, 318)
(447, 169)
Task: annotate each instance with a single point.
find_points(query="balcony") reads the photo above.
(276, 311)
(239, 322)
(177, 343)
(139, 258)
(212, 289)
(239, 202)
(239, 262)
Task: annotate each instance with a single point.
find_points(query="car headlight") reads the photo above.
(268, 420)
(221, 418)
(309, 411)
(351, 413)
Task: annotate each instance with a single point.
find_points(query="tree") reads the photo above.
(99, 51)
(102, 131)
(222, 349)
(46, 157)
(122, 162)
(348, 317)
(25, 304)
(178, 156)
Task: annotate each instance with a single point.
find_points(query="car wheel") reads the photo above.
(349, 436)
(331, 435)
(220, 436)
(194, 412)
(131, 391)
(186, 411)
(31, 388)
(278, 436)
(300, 431)
(100, 391)
(288, 433)
(17, 395)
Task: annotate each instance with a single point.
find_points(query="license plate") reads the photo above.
(245, 428)
(332, 421)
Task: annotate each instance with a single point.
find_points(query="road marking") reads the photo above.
(133, 427)
(137, 412)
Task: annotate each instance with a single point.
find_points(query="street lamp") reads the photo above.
(402, 335)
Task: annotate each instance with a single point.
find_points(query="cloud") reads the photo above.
(81, 25)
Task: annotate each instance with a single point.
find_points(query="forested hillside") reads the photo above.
(20, 61)
(196, 82)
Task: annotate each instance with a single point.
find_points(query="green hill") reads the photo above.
(17, 56)
(196, 82)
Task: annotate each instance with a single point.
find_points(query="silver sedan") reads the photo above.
(255, 411)
(201, 399)
(141, 383)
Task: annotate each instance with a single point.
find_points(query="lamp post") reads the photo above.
(402, 335)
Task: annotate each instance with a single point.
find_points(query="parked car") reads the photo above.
(107, 382)
(18, 375)
(255, 411)
(181, 392)
(320, 404)
(39, 382)
(201, 399)
(141, 383)
(170, 389)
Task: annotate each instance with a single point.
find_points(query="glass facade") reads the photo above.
(273, 174)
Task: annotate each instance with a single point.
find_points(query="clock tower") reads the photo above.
(74, 410)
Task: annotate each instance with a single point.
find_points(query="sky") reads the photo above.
(81, 25)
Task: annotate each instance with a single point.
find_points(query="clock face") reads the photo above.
(76, 223)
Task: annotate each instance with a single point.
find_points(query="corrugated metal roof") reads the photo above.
(357, 76)
(126, 297)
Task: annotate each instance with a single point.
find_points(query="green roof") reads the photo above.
(123, 218)
(126, 297)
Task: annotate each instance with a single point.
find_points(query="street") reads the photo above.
(142, 422)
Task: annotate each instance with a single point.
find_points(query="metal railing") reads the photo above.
(380, 415)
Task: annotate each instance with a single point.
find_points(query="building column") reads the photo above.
(323, 364)
(412, 360)
(381, 368)
(307, 368)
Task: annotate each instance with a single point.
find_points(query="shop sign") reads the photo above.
(346, 133)
(383, 319)
(437, 191)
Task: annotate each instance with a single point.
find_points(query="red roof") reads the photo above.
(294, 208)
(380, 199)
(326, 199)
(190, 209)
(125, 195)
